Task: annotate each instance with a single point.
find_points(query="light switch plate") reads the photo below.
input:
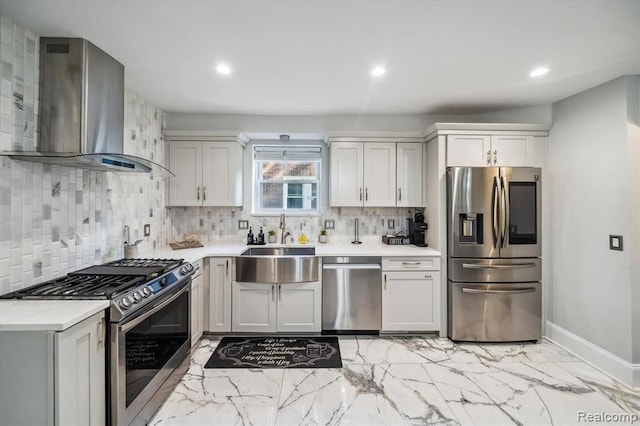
(147, 229)
(391, 224)
(615, 242)
(243, 224)
(329, 224)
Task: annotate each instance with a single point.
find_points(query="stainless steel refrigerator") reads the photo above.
(494, 248)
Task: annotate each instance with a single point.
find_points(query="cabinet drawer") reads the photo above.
(410, 263)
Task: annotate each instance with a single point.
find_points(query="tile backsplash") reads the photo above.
(55, 219)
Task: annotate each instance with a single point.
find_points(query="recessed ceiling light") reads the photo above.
(223, 69)
(538, 72)
(378, 71)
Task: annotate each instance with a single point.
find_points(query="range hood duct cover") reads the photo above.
(81, 121)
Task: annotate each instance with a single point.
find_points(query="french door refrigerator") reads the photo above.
(494, 248)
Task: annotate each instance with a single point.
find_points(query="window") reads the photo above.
(286, 179)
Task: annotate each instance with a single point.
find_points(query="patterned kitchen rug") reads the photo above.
(276, 352)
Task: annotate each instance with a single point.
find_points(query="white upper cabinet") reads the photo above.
(379, 174)
(347, 178)
(409, 174)
(376, 174)
(208, 170)
(492, 145)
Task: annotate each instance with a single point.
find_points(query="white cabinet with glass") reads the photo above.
(208, 170)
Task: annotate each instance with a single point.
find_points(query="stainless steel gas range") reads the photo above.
(149, 330)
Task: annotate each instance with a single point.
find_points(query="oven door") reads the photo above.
(145, 351)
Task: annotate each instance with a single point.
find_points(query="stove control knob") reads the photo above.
(146, 292)
(125, 303)
(136, 297)
(189, 267)
(183, 270)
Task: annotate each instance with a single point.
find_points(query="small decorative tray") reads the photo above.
(186, 245)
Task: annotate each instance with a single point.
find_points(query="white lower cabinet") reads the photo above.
(269, 308)
(198, 304)
(54, 378)
(410, 294)
(220, 272)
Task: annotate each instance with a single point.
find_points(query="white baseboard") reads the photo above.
(622, 370)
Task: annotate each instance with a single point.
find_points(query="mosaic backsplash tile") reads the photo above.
(54, 219)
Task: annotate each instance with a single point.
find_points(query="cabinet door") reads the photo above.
(185, 160)
(468, 150)
(254, 307)
(300, 307)
(411, 301)
(197, 313)
(80, 396)
(220, 294)
(514, 151)
(346, 176)
(379, 174)
(221, 174)
(409, 174)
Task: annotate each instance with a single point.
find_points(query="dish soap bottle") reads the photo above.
(260, 237)
(302, 239)
(250, 237)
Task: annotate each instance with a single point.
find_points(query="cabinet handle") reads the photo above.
(279, 293)
(273, 293)
(495, 157)
(428, 277)
(360, 194)
(366, 194)
(198, 191)
(399, 194)
(204, 193)
(489, 158)
(101, 332)
(385, 281)
(227, 271)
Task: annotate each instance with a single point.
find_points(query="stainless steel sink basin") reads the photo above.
(281, 265)
(279, 251)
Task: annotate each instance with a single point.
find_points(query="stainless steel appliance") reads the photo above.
(149, 331)
(351, 294)
(494, 248)
(81, 115)
(417, 229)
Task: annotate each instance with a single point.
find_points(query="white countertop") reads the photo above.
(46, 315)
(371, 246)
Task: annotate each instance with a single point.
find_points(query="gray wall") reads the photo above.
(333, 123)
(589, 167)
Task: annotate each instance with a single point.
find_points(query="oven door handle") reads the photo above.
(129, 325)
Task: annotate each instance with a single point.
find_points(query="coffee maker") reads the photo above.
(417, 229)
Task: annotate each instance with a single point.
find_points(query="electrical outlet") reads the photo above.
(243, 224)
(615, 242)
(391, 224)
(147, 229)
(329, 224)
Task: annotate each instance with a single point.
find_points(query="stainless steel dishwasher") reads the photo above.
(351, 294)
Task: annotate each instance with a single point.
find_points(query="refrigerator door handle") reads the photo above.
(508, 266)
(504, 218)
(494, 212)
(517, 291)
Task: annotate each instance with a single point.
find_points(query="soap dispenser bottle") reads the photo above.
(250, 237)
(260, 237)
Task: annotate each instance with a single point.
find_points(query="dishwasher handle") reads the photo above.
(351, 266)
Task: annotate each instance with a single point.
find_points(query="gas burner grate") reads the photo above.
(145, 263)
(79, 287)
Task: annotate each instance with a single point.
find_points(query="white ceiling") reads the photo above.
(315, 57)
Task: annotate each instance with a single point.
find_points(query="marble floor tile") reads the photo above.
(406, 380)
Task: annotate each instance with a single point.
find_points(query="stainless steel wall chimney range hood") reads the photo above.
(81, 122)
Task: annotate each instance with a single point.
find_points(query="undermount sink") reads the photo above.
(277, 265)
(279, 251)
